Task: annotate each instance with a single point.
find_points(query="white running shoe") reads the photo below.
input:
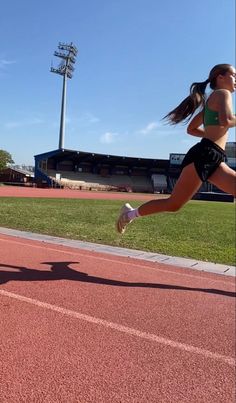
(123, 219)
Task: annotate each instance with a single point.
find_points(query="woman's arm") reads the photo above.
(226, 116)
(194, 126)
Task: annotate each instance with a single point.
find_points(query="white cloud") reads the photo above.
(22, 123)
(108, 137)
(88, 118)
(4, 63)
(149, 128)
(91, 118)
(160, 129)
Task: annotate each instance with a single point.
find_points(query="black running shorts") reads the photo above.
(206, 156)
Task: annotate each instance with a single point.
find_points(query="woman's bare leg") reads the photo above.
(186, 186)
(225, 179)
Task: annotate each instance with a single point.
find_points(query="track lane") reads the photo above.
(17, 191)
(194, 309)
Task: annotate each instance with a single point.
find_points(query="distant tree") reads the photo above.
(5, 159)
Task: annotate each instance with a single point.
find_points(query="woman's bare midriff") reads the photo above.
(217, 134)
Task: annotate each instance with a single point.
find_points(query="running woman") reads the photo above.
(205, 161)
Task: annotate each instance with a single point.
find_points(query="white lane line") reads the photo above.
(124, 329)
(90, 255)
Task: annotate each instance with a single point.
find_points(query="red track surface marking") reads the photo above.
(14, 191)
(120, 328)
(78, 326)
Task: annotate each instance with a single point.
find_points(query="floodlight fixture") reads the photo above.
(68, 53)
(69, 47)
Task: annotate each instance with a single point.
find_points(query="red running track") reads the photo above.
(79, 326)
(17, 191)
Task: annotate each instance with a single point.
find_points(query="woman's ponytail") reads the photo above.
(185, 110)
(197, 93)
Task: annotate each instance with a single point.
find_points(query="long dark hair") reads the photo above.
(184, 111)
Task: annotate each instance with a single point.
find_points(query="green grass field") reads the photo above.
(201, 230)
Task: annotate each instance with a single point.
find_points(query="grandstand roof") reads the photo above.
(82, 156)
(21, 171)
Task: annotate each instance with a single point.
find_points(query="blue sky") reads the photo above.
(136, 61)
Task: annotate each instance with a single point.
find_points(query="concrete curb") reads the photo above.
(135, 254)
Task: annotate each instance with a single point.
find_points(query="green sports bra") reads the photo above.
(211, 118)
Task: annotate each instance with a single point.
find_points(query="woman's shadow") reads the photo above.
(63, 271)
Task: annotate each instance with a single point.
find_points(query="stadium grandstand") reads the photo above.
(91, 171)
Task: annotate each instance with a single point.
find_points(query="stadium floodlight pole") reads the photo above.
(68, 54)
